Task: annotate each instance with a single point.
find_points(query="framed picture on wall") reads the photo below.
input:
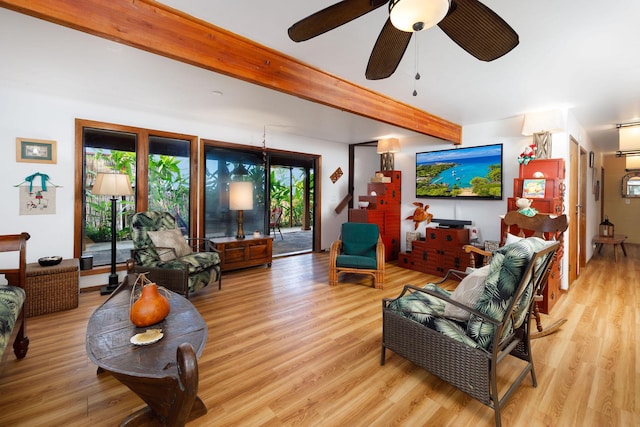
(35, 150)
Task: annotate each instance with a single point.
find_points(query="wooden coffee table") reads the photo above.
(163, 374)
(616, 240)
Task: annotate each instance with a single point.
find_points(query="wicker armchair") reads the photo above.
(359, 250)
(180, 264)
(465, 350)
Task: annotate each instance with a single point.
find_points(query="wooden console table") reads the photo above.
(248, 252)
(163, 374)
(616, 240)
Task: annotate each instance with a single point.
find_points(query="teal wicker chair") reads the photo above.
(359, 250)
(180, 264)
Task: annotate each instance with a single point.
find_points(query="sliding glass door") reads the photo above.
(222, 166)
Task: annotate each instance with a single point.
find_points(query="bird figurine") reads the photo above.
(420, 214)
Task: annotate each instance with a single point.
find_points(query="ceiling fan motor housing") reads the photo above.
(417, 15)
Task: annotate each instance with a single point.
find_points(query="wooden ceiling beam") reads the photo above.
(156, 28)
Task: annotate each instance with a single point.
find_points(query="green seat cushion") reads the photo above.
(355, 261)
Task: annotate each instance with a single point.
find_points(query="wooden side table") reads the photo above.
(248, 252)
(616, 240)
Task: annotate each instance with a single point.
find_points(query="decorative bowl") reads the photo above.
(363, 205)
(49, 261)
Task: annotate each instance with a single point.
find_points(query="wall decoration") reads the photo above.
(37, 201)
(336, 175)
(533, 188)
(35, 150)
(591, 159)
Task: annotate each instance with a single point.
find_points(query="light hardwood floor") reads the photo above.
(284, 348)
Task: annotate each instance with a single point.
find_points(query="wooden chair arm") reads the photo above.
(335, 251)
(471, 250)
(380, 254)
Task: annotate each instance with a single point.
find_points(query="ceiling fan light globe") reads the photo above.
(417, 15)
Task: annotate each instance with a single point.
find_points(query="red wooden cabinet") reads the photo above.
(552, 172)
(383, 210)
(439, 252)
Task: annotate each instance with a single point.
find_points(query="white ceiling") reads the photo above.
(575, 54)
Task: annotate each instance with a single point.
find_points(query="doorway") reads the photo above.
(577, 209)
(291, 203)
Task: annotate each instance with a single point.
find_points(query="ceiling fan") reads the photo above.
(469, 23)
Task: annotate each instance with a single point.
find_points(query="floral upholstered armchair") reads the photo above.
(180, 264)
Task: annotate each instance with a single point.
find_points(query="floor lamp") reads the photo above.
(240, 199)
(114, 185)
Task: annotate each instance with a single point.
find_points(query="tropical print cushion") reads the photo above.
(508, 264)
(429, 311)
(11, 302)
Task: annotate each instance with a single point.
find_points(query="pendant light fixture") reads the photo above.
(417, 15)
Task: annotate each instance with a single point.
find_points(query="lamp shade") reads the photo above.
(388, 145)
(240, 195)
(632, 162)
(543, 121)
(629, 138)
(417, 15)
(112, 184)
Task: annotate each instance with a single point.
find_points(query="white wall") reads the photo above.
(484, 214)
(27, 114)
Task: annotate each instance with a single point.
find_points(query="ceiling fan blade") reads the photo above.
(478, 30)
(332, 17)
(387, 52)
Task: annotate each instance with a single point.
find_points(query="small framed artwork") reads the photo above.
(591, 158)
(35, 150)
(533, 188)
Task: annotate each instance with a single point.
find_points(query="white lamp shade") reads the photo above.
(543, 121)
(388, 145)
(417, 15)
(112, 184)
(240, 195)
(633, 162)
(629, 138)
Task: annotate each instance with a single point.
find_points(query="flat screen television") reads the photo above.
(466, 173)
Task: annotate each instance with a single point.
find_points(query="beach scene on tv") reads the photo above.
(466, 172)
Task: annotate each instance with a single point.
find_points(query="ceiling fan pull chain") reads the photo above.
(415, 44)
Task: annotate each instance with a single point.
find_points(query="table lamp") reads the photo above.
(240, 199)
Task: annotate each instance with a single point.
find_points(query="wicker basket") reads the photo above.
(51, 289)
